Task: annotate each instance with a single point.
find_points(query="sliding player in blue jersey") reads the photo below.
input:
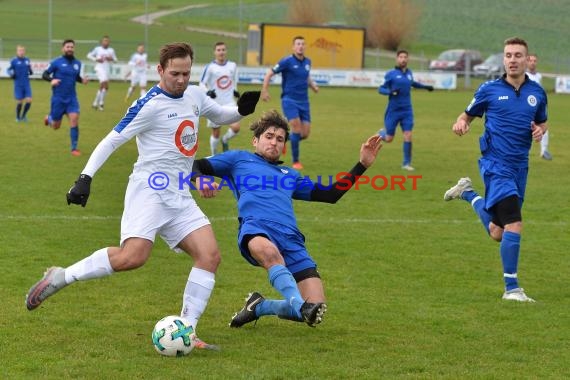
(296, 79)
(397, 85)
(20, 70)
(515, 109)
(268, 234)
(63, 73)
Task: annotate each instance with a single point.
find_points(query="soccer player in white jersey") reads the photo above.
(534, 75)
(165, 123)
(220, 80)
(103, 55)
(138, 64)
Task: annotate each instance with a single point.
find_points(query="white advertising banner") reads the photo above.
(255, 75)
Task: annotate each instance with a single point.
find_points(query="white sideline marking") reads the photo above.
(301, 219)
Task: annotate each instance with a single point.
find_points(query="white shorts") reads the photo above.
(102, 74)
(149, 212)
(138, 79)
(213, 125)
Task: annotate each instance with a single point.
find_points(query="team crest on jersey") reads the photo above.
(308, 67)
(186, 138)
(284, 171)
(75, 67)
(531, 100)
(195, 109)
(410, 77)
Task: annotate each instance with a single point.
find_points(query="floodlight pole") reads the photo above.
(49, 28)
(146, 25)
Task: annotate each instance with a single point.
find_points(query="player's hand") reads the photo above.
(265, 95)
(79, 192)
(369, 150)
(207, 188)
(460, 127)
(247, 102)
(537, 131)
(236, 94)
(429, 88)
(212, 93)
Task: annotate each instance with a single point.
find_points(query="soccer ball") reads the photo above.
(173, 336)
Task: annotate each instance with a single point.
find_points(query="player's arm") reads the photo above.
(265, 87)
(462, 124)
(47, 75)
(313, 85)
(422, 86)
(92, 55)
(331, 194)
(386, 87)
(79, 192)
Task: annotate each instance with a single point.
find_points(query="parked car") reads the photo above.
(491, 68)
(455, 59)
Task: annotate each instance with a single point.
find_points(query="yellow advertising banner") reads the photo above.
(327, 47)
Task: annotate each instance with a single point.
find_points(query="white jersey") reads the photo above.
(138, 62)
(166, 131)
(537, 77)
(107, 54)
(223, 79)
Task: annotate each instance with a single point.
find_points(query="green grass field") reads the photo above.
(413, 284)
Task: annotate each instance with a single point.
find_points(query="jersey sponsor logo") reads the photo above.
(531, 100)
(504, 97)
(186, 138)
(224, 82)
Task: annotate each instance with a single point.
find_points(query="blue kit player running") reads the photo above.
(397, 85)
(20, 70)
(295, 73)
(268, 234)
(63, 73)
(515, 110)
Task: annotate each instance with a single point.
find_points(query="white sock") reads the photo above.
(130, 92)
(214, 144)
(544, 143)
(197, 294)
(97, 97)
(229, 135)
(102, 99)
(143, 92)
(95, 266)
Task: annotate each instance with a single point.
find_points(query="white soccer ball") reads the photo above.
(173, 336)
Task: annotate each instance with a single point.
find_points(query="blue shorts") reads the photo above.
(502, 181)
(22, 91)
(294, 110)
(290, 242)
(393, 118)
(61, 107)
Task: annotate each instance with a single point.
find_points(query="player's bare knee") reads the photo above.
(388, 138)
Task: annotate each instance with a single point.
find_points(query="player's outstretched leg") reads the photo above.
(52, 282)
(247, 313)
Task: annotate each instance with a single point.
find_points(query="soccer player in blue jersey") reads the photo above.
(20, 70)
(295, 72)
(397, 85)
(515, 109)
(63, 73)
(268, 234)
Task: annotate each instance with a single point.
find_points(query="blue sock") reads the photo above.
(510, 249)
(74, 136)
(478, 204)
(282, 280)
(295, 139)
(407, 152)
(18, 110)
(275, 307)
(382, 134)
(26, 109)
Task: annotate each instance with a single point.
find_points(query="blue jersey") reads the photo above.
(295, 77)
(263, 190)
(508, 115)
(68, 70)
(400, 81)
(20, 70)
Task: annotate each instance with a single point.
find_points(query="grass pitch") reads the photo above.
(413, 284)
